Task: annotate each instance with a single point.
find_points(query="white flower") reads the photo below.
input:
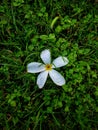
(48, 68)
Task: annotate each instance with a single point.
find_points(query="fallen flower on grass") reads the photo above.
(48, 68)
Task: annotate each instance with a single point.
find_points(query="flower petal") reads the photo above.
(42, 77)
(35, 67)
(45, 56)
(57, 77)
(60, 61)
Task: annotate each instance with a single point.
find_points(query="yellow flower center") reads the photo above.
(48, 67)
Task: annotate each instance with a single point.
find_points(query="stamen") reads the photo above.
(48, 67)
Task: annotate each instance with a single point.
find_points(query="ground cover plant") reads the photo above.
(67, 28)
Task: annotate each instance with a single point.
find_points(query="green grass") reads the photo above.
(25, 30)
